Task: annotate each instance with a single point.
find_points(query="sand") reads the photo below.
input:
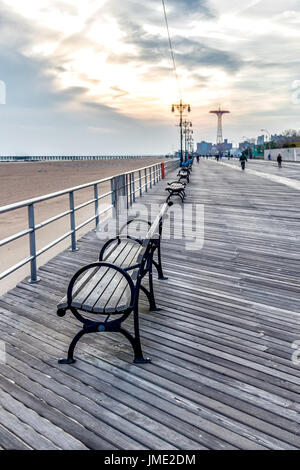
(21, 181)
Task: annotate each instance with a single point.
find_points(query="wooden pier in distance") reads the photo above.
(222, 374)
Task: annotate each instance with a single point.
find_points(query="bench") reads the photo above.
(176, 188)
(188, 165)
(184, 174)
(155, 242)
(112, 285)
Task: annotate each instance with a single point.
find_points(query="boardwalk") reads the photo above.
(222, 375)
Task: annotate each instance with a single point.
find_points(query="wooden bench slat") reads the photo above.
(123, 298)
(121, 253)
(78, 286)
(98, 292)
(177, 185)
(81, 296)
(117, 254)
(120, 297)
(108, 301)
(111, 250)
(114, 253)
(119, 260)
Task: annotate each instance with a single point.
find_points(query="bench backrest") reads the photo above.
(154, 231)
(113, 249)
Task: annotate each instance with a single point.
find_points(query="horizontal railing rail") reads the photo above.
(134, 186)
(41, 158)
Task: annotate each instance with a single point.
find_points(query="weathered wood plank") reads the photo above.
(221, 376)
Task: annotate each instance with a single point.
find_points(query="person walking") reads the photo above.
(243, 160)
(279, 160)
(197, 157)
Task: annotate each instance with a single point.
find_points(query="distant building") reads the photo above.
(227, 146)
(261, 140)
(275, 137)
(204, 148)
(244, 145)
(207, 148)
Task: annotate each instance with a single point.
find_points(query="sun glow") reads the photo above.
(93, 49)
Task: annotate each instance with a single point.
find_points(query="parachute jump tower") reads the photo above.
(219, 112)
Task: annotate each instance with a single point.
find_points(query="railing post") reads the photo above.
(140, 183)
(126, 191)
(146, 181)
(118, 188)
(130, 188)
(113, 193)
(133, 186)
(32, 243)
(96, 204)
(150, 176)
(72, 222)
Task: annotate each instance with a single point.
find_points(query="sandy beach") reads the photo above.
(20, 181)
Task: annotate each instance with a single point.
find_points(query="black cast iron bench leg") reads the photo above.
(158, 264)
(150, 296)
(135, 341)
(70, 358)
(153, 306)
(136, 345)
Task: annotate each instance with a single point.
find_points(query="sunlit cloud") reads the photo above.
(72, 65)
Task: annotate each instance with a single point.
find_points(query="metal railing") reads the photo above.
(43, 158)
(147, 177)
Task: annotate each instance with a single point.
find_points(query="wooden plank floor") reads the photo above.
(221, 376)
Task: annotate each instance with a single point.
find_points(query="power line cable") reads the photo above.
(171, 49)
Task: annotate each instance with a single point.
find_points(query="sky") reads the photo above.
(96, 77)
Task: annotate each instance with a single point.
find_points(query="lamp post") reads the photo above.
(187, 125)
(181, 108)
(192, 144)
(191, 141)
(269, 135)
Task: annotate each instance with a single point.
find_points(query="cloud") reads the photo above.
(109, 66)
(190, 8)
(190, 52)
(119, 91)
(40, 116)
(193, 53)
